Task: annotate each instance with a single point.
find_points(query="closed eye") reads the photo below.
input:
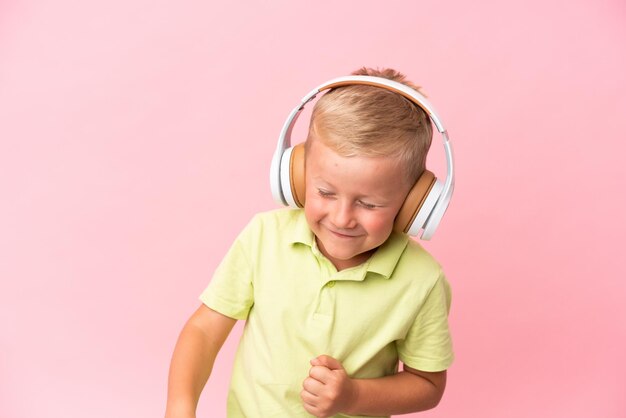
(367, 205)
(324, 193)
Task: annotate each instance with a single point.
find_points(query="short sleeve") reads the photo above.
(428, 344)
(230, 291)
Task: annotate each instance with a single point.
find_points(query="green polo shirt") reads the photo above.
(297, 306)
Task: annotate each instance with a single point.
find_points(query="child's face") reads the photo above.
(351, 202)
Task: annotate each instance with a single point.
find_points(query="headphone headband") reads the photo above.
(413, 95)
(284, 140)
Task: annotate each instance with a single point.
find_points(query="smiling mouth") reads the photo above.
(340, 235)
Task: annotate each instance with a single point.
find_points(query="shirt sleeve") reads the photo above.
(428, 344)
(231, 291)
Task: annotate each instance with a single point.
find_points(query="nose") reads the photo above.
(343, 216)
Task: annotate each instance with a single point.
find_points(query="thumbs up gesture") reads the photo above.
(328, 389)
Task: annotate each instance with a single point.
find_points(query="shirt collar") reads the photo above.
(301, 233)
(383, 261)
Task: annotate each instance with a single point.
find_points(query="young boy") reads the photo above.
(332, 296)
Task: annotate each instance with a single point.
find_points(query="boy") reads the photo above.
(332, 296)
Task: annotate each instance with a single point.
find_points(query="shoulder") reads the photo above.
(275, 226)
(425, 280)
(277, 221)
(415, 255)
(277, 217)
(417, 264)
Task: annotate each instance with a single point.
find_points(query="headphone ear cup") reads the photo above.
(414, 202)
(292, 176)
(297, 175)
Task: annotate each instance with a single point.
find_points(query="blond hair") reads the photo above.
(363, 120)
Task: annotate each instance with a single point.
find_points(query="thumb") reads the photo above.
(327, 361)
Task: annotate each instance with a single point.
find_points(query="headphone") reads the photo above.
(426, 202)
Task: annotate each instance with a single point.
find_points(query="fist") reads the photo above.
(328, 389)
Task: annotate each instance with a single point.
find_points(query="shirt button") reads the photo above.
(331, 283)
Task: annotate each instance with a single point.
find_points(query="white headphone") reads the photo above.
(425, 204)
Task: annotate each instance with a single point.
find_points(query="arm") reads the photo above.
(408, 391)
(328, 390)
(193, 358)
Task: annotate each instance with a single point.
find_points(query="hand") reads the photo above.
(328, 389)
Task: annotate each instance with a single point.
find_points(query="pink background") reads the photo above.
(136, 139)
